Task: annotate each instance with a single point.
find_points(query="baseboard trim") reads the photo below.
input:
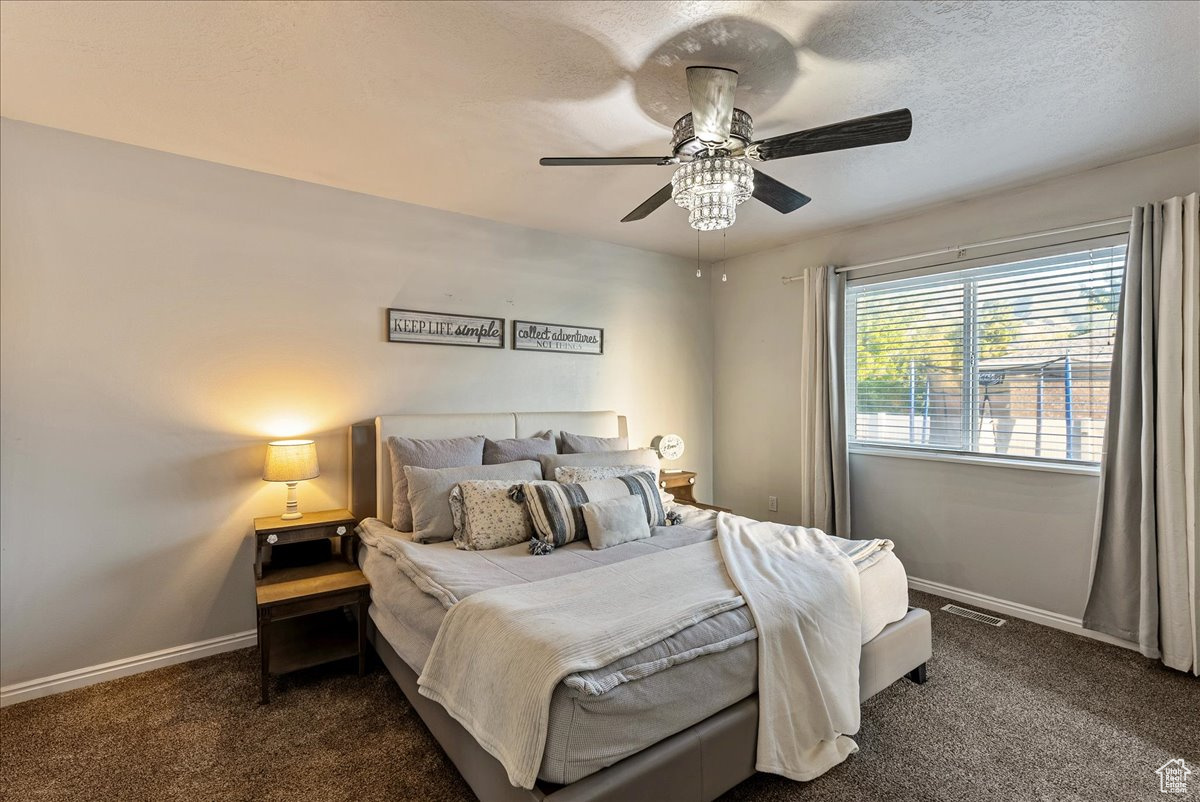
(82, 677)
(1037, 615)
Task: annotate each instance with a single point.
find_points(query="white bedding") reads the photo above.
(883, 586)
(635, 709)
(884, 583)
(540, 633)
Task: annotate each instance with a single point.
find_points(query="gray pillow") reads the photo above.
(615, 521)
(556, 509)
(637, 456)
(442, 453)
(517, 448)
(582, 444)
(429, 493)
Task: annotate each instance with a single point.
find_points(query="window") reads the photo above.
(1009, 360)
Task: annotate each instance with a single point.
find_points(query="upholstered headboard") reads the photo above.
(371, 468)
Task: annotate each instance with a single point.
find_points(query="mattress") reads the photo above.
(596, 717)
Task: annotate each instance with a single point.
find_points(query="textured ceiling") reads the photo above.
(450, 104)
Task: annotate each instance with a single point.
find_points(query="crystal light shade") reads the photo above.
(710, 188)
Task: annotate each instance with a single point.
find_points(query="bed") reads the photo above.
(685, 731)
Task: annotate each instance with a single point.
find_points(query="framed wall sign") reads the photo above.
(437, 328)
(531, 336)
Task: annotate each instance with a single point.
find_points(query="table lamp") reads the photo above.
(291, 461)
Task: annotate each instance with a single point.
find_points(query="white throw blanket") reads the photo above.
(803, 592)
(500, 653)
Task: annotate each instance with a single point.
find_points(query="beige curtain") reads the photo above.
(1145, 582)
(824, 480)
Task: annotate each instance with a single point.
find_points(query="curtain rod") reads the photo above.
(960, 248)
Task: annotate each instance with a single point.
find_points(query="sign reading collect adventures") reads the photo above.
(436, 328)
(530, 336)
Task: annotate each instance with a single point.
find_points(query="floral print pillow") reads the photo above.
(486, 518)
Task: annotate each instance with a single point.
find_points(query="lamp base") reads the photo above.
(292, 511)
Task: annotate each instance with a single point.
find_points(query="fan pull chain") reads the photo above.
(699, 273)
(724, 277)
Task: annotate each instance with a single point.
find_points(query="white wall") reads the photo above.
(163, 317)
(1018, 535)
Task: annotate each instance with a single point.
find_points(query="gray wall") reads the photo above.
(1019, 535)
(162, 318)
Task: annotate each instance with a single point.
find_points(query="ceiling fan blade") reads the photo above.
(892, 126)
(649, 205)
(587, 161)
(711, 90)
(777, 195)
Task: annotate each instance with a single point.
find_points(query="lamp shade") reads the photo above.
(291, 461)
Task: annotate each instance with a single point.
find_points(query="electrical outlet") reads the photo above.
(773, 503)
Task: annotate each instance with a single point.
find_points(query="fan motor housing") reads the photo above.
(685, 143)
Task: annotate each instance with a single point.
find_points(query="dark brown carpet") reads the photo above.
(1016, 713)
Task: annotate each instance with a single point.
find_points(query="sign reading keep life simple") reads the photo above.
(530, 336)
(436, 328)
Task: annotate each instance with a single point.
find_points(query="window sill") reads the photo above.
(969, 459)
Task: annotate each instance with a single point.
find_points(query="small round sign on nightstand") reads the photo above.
(668, 446)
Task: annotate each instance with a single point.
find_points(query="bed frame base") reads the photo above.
(695, 765)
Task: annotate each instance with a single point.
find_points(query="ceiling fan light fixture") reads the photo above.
(710, 188)
(712, 212)
(714, 141)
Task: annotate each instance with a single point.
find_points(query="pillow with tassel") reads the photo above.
(555, 509)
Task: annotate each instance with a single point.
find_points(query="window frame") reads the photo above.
(970, 407)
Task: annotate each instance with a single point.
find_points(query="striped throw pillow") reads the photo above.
(555, 508)
(587, 473)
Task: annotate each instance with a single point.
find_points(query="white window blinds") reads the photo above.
(1010, 360)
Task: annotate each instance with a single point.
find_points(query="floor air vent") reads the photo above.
(974, 615)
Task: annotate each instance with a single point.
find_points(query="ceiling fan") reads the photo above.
(713, 146)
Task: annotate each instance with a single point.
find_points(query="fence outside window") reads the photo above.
(1011, 359)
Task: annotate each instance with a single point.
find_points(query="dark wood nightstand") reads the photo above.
(274, 531)
(681, 485)
(309, 614)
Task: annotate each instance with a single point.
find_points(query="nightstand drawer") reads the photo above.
(679, 484)
(303, 535)
(672, 481)
(317, 604)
